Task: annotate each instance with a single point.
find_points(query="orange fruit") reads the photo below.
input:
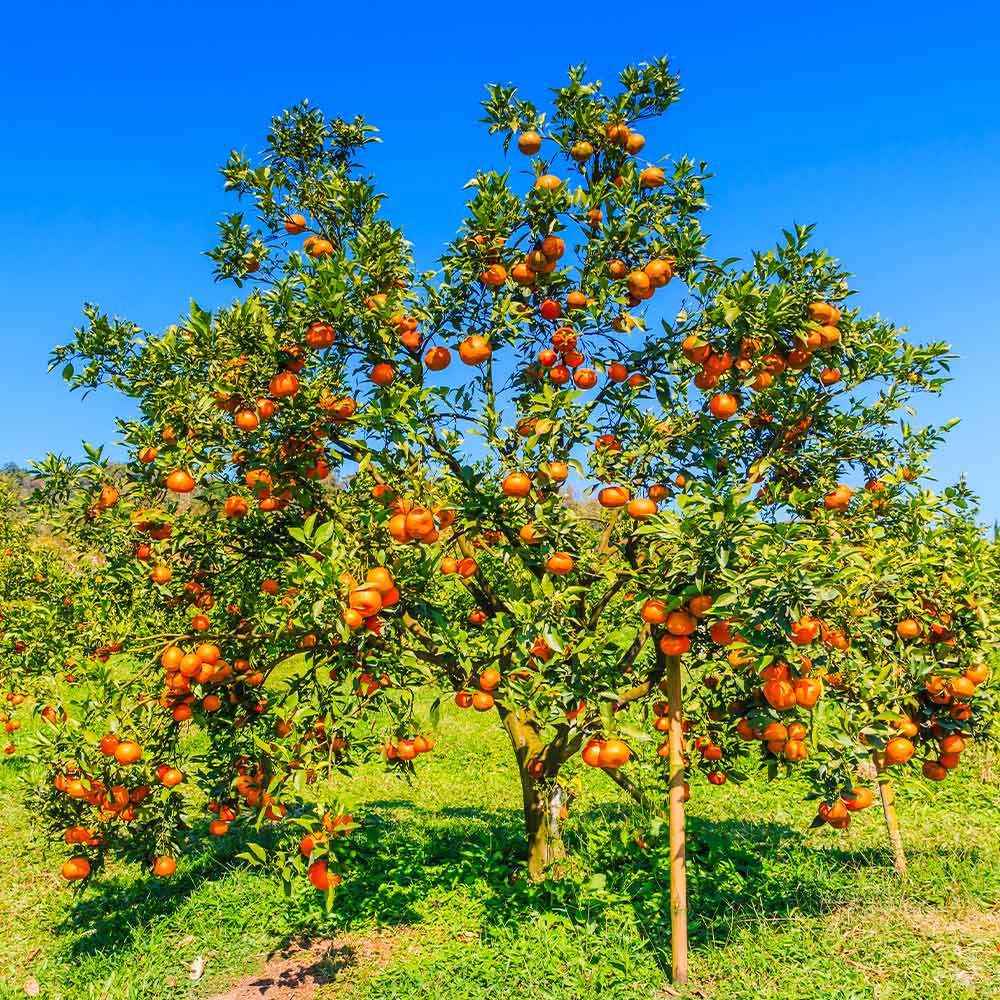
(613, 754)
(180, 481)
(75, 868)
(529, 142)
(559, 563)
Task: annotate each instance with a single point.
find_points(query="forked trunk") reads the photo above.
(887, 794)
(678, 843)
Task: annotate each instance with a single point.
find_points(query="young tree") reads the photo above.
(577, 331)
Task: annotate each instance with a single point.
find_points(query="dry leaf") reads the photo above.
(185, 941)
(31, 986)
(197, 968)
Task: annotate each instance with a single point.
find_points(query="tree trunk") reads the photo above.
(542, 823)
(678, 858)
(538, 767)
(888, 796)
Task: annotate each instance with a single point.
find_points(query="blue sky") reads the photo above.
(878, 122)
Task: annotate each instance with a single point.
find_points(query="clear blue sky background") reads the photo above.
(878, 121)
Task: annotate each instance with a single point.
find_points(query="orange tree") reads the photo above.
(62, 618)
(351, 483)
(922, 626)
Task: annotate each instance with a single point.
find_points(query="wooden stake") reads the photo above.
(678, 856)
(888, 796)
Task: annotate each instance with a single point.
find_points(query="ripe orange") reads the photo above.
(613, 754)
(75, 868)
(180, 481)
(319, 247)
(321, 877)
(382, 374)
(474, 350)
(700, 605)
(807, 691)
(780, 695)
(640, 508)
(437, 358)
(128, 752)
(934, 771)
(723, 406)
(516, 484)
(681, 623)
(164, 866)
(246, 420)
(613, 496)
(482, 701)
(652, 177)
(634, 143)
(559, 563)
(591, 753)
(654, 612)
(529, 142)
(170, 777)
(674, 645)
(494, 275)
(835, 811)
(236, 506)
(977, 673)
(898, 750)
(419, 523)
(862, 799)
(284, 384)
(839, 498)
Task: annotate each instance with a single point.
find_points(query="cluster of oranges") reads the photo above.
(838, 813)
(366, 600)
(611, 753)
(679, 624)
(542, 259)
(408, 748)
(112, 799)
(203, 666)
(106, 499)
(952, 696)
(413, 524)
(642, 282)
(617, 137)
(483, 699)
(315, 246)
(564, 361)
(638, 508)
(820, 334)
(11, 726)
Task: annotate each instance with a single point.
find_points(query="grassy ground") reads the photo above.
(777, 913)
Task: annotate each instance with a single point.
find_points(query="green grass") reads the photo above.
(441, 912)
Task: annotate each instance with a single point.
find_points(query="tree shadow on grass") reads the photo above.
(109, 914)
(741, 874)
